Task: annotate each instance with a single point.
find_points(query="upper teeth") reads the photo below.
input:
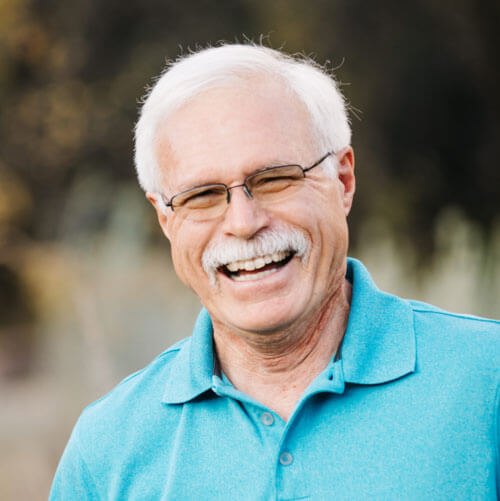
(256, 263)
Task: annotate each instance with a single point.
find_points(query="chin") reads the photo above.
(262, 318)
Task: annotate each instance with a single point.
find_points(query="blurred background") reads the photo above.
(87, 292)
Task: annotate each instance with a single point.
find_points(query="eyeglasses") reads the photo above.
(272, 184)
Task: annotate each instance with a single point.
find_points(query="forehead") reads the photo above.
(226, 133)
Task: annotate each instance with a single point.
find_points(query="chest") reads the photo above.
(382, 442)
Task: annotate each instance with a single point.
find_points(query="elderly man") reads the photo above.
(301, 380)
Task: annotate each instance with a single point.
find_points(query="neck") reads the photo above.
(275, 368)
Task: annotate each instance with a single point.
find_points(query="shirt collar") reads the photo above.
(378, 346)
(379, 343)
(192, 369)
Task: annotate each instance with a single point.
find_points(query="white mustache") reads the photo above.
(281, 239)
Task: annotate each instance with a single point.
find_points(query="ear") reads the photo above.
(161, 213)
(345, 173)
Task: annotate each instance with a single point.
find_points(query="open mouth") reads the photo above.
(252, 269)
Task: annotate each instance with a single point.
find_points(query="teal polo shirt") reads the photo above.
(407, 410)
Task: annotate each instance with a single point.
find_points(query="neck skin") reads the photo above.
(276, 368)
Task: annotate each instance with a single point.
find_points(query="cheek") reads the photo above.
(187, 246)
(329, 240)
(180, 266)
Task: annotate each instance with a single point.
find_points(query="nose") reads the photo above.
(244, 215)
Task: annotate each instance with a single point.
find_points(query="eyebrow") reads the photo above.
(191, 186)
(273, 163)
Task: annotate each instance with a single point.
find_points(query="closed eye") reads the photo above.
(205, 197)
(201, 194)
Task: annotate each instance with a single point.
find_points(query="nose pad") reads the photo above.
(247, 192)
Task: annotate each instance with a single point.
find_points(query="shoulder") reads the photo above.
(453, 337)
(458, 321)
(147, 381)
(138, 395)
(127, 423)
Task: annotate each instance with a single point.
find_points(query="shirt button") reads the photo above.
(267, 418)
(286, 458)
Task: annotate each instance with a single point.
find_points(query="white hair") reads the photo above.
(209, 68)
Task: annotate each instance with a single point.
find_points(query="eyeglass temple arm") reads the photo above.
(324, 157)
(164, 202)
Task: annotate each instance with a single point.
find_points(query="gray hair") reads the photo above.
(209, 68)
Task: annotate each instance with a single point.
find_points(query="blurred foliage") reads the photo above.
(424, 76)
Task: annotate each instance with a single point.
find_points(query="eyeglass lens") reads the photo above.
(209, 201)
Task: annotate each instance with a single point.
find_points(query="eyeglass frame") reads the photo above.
(248, 193)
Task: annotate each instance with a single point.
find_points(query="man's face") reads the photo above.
(221, 137)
